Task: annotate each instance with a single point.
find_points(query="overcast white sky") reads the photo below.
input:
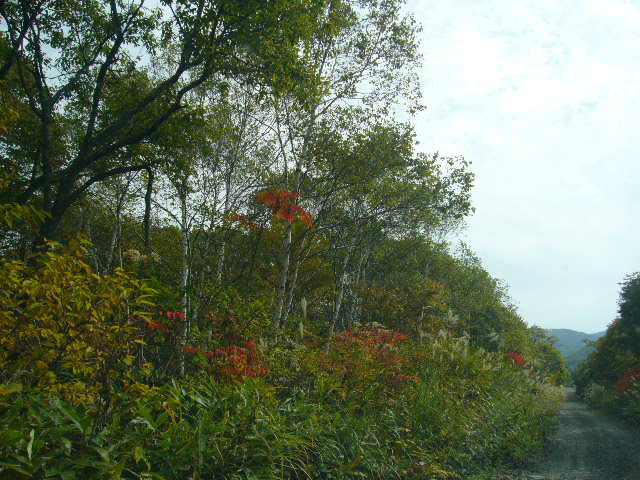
(544, 98)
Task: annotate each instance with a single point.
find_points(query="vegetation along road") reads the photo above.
(588, 445)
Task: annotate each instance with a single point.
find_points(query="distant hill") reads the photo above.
(571, 344)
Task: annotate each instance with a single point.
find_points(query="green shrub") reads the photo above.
(69, 332)
(470, 412)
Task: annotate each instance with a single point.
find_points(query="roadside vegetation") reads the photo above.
(610, 377)
(223, 256)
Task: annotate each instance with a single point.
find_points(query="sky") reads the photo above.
(543, 97)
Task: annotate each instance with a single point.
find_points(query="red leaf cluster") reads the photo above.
(367, 355)
(190, 349)
(233, 361)
(630, 379)
(282, 206)
(173, 315)
(370, 338)
(157, 326)
(237, 359)
(517, 359)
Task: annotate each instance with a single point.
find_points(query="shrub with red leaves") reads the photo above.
(173, 315)
(236, 362)
(366, 358)
(227, 354)
(631, 378)
(190, 349)
(157, 326)
(516, 358)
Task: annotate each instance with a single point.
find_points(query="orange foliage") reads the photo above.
(367, 358)
(281, 205)
(237, 359)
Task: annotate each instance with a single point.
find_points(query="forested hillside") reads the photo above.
(223, 255)
(610, 377)
(574, 346)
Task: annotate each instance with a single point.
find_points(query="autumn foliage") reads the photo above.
(226, 352)
(630, 379)
(68, 332)
(366, 358)
(516, 358)
(245, 221)
(281, 204)
(216, 350)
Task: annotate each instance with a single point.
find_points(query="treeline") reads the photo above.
(610, 377)
(223, 256)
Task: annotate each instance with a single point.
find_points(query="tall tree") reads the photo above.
(365, 53)
(92, 60)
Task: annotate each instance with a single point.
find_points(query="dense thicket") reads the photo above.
(610, 377)
(222, 254)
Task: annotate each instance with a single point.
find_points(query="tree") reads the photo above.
(629, 301)
(94, 62)
(364, 53)
(619, 349)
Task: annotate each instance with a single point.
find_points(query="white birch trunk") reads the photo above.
(284, 276)
(341, 284)
(184, 226)
(223, 244)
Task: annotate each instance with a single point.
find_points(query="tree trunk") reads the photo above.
(146, 222)
(341, 285)
(284, 276)
(184, 328)
(355, 300)
(223, 243)
(293, 282)
(114, 240)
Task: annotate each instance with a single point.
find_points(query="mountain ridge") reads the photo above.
(571, 344)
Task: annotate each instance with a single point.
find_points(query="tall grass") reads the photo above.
(468, 412)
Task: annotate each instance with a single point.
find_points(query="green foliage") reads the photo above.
(418, 310)
(507, 406)
(629, 304)
(12, 213)
(46, 438)
(470, 411)
(609, 379)
(369, 403)
(65, 330)
(242, 315)
(306, 324)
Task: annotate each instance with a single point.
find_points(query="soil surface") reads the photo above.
(588, 445)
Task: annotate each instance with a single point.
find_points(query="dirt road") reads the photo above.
(588, 446)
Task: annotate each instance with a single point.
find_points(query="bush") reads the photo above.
(601, 397)
(470, 411)
(67, 331)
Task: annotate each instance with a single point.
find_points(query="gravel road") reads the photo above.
(588, 445)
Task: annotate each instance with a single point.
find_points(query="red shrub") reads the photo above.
(629, 379)
(157, 326)
(228, 354)
(369, 356)
(236, 362)
(517, 359)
